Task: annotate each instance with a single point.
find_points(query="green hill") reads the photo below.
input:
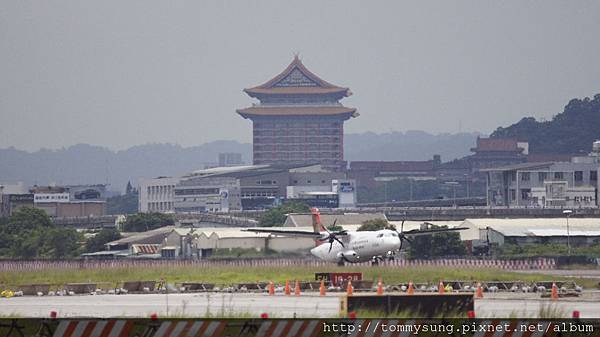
(572, 131)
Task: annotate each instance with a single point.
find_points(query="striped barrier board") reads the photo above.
(372, 328)
(290, 328)
(93, 328)
(191, 328)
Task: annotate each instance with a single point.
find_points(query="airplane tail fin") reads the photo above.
(316, 220)
(316, 223)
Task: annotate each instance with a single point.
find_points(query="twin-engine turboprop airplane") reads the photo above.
(354, 246)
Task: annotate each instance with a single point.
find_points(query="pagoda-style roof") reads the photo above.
(257, 111)
(296, 79)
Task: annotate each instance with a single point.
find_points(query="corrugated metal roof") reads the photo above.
(305, 220)
(537, 227)
(143, 237)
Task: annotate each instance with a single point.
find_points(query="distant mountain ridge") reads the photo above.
(88, 164)
(572, 131)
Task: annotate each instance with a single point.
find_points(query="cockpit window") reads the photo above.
(380, 235)
(394, 234)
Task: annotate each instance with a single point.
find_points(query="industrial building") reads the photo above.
(70, 200)
(299, 119)
(157, 194)
(235, 188)
(562, 184)
(578, 232)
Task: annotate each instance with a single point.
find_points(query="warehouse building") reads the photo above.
(580, 231)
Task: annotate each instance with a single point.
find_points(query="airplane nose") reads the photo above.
(396, 243)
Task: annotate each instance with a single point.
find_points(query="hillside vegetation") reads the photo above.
(572, 131)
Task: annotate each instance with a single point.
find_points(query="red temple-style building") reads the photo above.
(299, 119)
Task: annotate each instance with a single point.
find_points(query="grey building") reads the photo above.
(560, 184)
(230, 159)
(224, 189)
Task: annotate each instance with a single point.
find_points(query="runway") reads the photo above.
(252, 305)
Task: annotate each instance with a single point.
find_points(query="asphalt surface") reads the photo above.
(278, 306)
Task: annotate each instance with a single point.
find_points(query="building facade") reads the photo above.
(561, 184)
(230, 159)
(207, 194)
(299, 119)
(157, 194)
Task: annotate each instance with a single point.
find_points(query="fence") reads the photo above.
(34, 265)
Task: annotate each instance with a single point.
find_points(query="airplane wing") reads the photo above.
(283, 232)
(417, 232)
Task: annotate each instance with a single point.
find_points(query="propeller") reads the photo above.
(402, 236)
(331, 236)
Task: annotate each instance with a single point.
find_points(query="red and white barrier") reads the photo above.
(190, 329)
(7, 266)
(93, 328)
(290, 328)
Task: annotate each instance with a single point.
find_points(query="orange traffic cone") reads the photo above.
(322, 288)
(349, 288)
(411, 288)
(379, 287)
(441, 289)
(479, 291)
(554, 292)
(297, 289)
(271, 288)
(287, 288)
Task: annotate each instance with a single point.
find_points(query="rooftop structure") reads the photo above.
(299, 119)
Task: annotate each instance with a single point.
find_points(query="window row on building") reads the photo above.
(163, 206)
(296, 155)
(296, 125)
(297, 147)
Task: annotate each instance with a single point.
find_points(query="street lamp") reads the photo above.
(567, 213)
(453, 184)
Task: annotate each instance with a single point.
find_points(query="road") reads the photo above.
(279, 306)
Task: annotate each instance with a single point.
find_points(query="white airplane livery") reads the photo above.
(353, 246)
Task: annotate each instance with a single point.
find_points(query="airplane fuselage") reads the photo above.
(359, 247)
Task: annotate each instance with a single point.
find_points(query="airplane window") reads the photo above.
(380, 235)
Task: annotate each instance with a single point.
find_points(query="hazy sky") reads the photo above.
(122, 73)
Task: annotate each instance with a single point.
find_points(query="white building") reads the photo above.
(18, 188)
(550, 184)
(157, 194)
(346, 191)
(208, 194)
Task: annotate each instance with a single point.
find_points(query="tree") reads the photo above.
(30, 233)
(436, 245)
(276, 216)
(28, 218)
(375, 225)
(60, 243)
(122, 204)
(142, 222)
(335, 228)
(129, 188)
(96, 243)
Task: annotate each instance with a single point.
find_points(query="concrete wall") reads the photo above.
(81, 209)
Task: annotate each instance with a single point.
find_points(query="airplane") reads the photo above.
(354, 246)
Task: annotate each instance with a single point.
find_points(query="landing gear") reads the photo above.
(375, 261)
(341, 263)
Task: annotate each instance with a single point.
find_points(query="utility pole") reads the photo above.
(568, 212)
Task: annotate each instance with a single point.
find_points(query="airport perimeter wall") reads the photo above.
(36, 265)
